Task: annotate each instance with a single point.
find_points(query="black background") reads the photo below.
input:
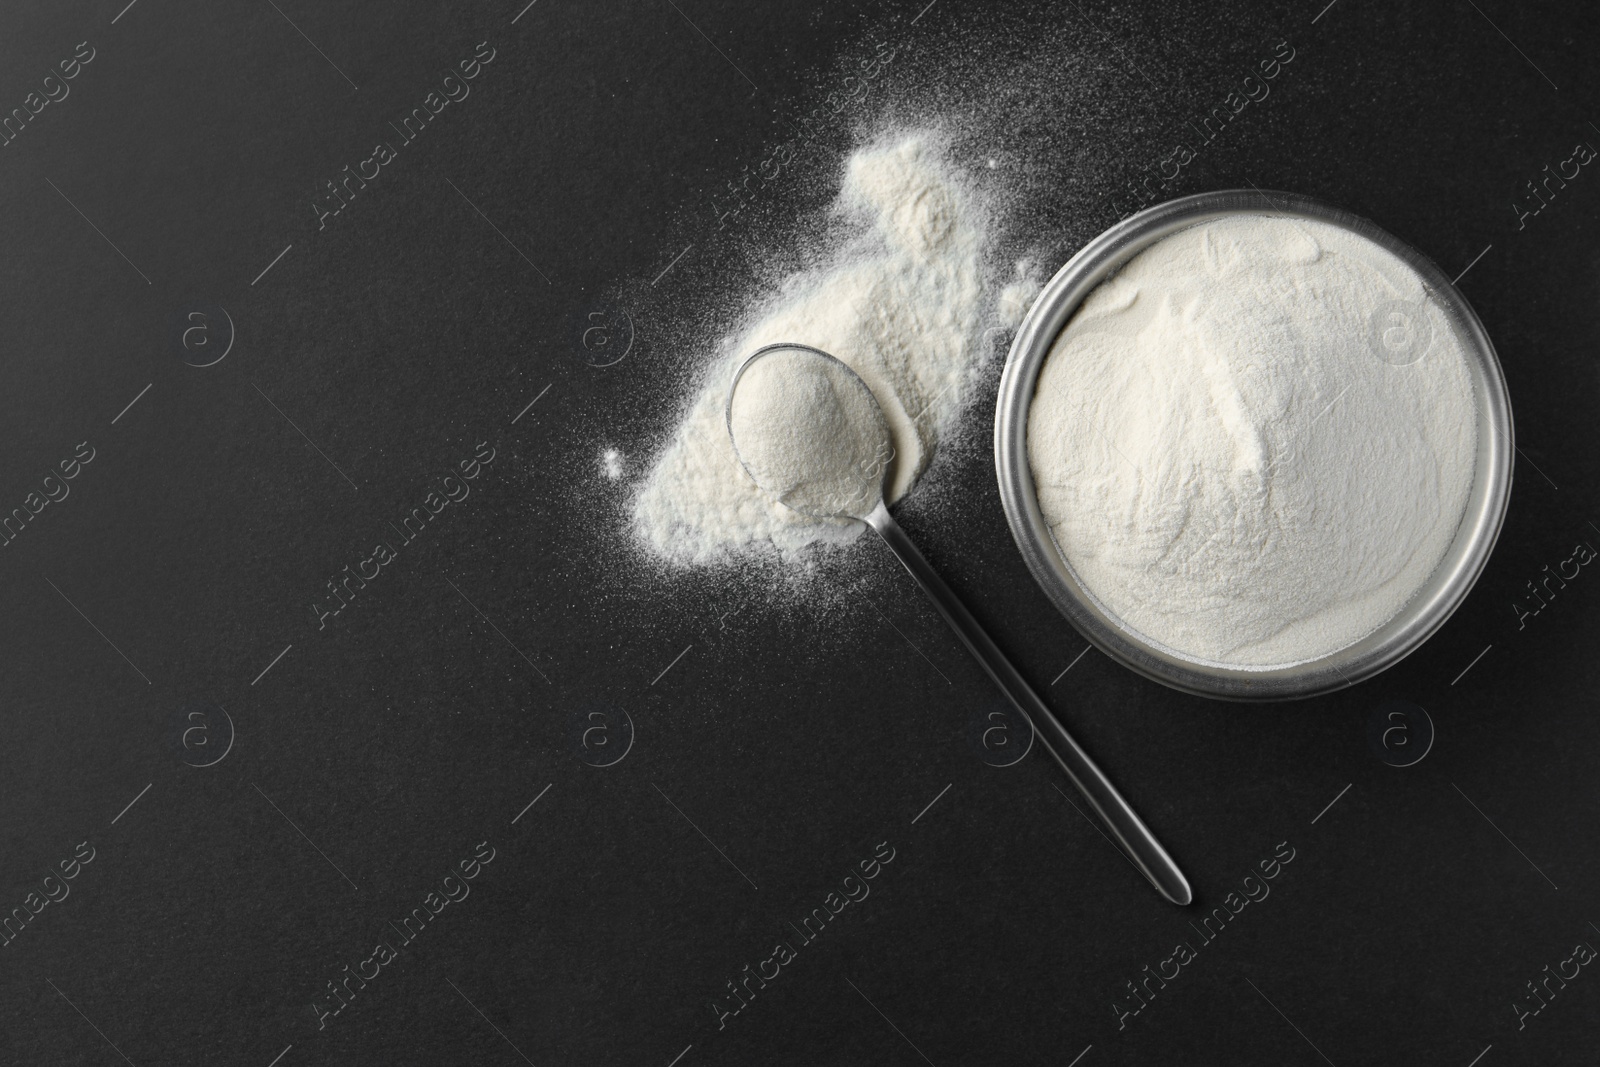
(796, 733)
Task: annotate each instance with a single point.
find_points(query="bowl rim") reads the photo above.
(1447, 586)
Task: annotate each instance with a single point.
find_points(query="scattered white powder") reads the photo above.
(901, 306)
(1019, 294)
(1256, 441)
(810, 433)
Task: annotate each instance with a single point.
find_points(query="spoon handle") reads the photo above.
(1137, 842)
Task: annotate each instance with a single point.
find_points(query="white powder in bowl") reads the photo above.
(901, 306)
(1255, 442)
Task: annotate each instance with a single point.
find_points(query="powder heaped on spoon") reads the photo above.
(810, 433)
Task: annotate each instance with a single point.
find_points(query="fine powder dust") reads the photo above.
(1255, 443)
(901, 305)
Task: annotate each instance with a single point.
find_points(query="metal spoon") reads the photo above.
(795, 374)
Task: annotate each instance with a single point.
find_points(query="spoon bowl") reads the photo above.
(831, 466)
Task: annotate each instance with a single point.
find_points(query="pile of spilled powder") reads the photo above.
(901, 306)
(1255, 443)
